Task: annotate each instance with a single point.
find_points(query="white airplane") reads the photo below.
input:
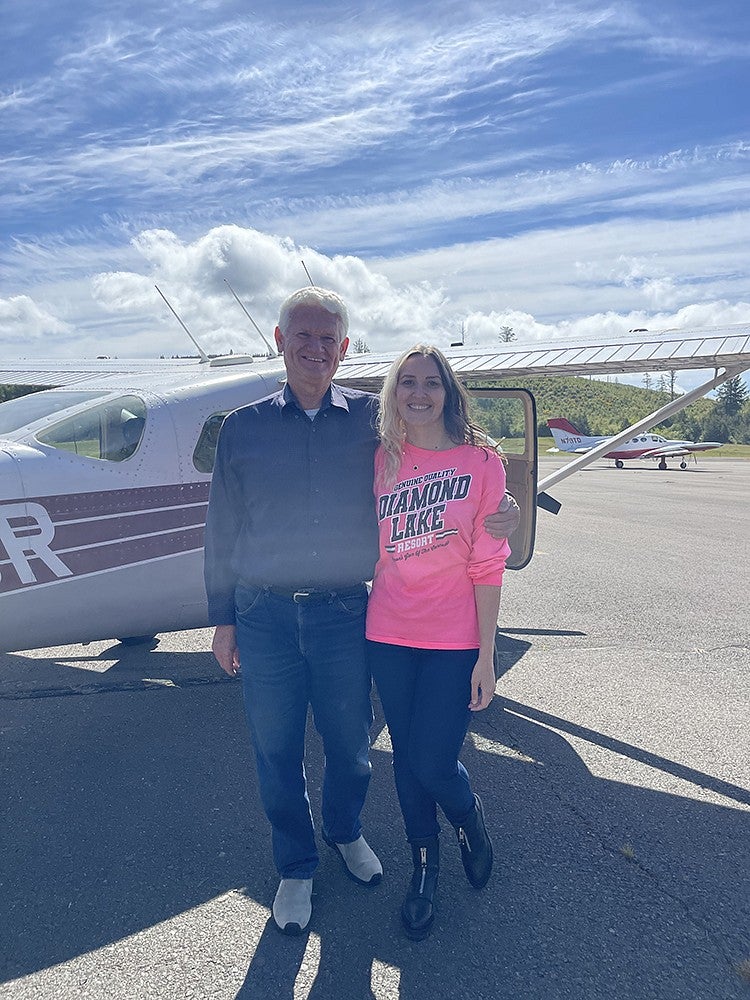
(104, 479)
(653, 446)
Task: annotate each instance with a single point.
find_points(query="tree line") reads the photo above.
(599, 407)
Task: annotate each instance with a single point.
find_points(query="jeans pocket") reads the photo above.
(247, 599)
(352, 605)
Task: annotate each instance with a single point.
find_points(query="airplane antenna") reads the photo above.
(308, 274)
(271, 352)
(203, 356)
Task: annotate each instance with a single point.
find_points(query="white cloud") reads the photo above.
(253, 107)
(568, 194)
(21, 319)
(262, 269)
(393, 304)
(568, 272)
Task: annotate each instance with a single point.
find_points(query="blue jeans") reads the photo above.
(295, 655)
(425, 695)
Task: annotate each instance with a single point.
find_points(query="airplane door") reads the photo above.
(509, 415)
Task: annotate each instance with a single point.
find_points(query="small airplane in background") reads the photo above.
(569, 438)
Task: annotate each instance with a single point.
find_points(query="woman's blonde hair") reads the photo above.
(458, 425)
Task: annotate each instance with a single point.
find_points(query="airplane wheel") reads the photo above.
(619, 464)
(137, 640)
(663, 466)
(683, 465)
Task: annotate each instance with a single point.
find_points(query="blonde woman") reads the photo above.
(433, 609)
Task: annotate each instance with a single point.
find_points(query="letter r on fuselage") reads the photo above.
(26, 532)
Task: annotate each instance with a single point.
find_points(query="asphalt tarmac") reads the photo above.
(614, 764)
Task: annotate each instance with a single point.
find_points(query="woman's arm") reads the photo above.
(483, 676)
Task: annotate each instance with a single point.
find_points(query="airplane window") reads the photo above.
(205, 450)
(17, 413)
(110, 431)
(503, 419)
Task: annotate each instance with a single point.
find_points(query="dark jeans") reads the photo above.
(295, 655)
(425, 695)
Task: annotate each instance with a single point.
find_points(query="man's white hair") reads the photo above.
(324, 298)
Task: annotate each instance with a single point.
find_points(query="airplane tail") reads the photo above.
(561, 424)
(567, 438)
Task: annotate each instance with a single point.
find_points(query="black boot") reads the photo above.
(417, 912)
(476, 846)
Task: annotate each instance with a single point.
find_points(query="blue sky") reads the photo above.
(568, 169)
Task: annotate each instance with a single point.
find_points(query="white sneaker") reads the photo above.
(292, 907)
(360, 861)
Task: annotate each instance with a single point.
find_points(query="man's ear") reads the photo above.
(278, 336)
(342, 348)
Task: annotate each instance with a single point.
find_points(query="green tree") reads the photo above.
(13, 391)
(359, 346)
(715, 427)
(742, 425)
(731, 396)
(506, 334)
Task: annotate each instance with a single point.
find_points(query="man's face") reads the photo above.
(312, 347)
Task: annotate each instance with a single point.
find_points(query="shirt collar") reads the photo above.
(333, 397)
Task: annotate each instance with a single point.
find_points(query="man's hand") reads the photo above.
(225, 650)
(505, 520)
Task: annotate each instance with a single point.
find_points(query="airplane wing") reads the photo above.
(680, 449)
(666, 452)
(57, 372)
(717, 347)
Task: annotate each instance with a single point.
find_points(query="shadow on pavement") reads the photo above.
(123, 810)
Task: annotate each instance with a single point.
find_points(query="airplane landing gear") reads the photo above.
(683, 464)
(619, 464)
(663, 464)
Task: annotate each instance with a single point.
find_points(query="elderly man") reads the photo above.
(291, 537)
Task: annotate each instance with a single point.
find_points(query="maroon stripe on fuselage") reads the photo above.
(71, 535)
(105, 530)
(106, 557)
(70, 506)
(134, 550)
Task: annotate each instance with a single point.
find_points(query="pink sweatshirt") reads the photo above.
(433, 547)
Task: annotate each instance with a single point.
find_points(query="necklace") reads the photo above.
(443, 445)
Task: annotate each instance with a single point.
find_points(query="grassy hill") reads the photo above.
(593, 406)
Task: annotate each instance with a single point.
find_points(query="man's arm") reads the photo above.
(221, 530)
(223, 523)
(505, 520)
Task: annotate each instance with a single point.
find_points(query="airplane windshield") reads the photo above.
(23, 410)
(110, 431)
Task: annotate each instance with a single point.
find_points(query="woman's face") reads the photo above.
(420, 396)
